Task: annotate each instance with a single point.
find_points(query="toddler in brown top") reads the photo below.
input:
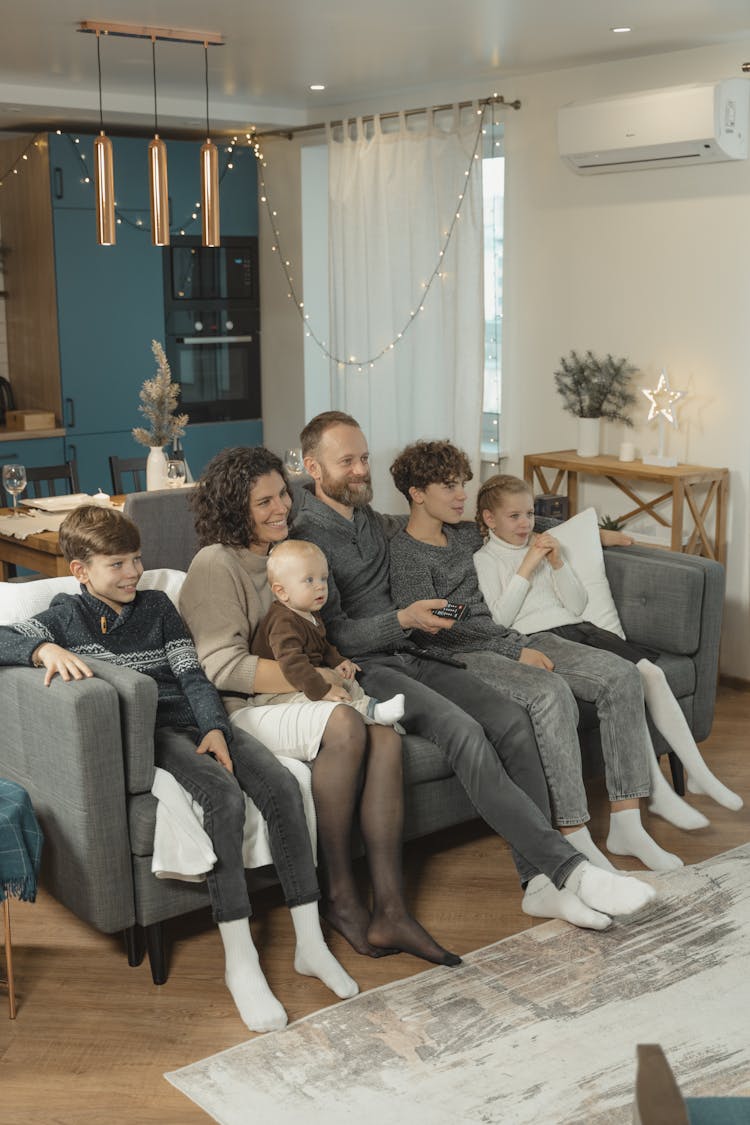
(292, 634)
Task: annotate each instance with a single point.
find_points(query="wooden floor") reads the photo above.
(93, 1037)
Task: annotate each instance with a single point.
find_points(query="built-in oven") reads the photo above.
(212, 314)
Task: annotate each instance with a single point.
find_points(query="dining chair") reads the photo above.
(120, 467)
(50, 476)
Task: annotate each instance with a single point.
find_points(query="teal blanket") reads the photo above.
(21, 842)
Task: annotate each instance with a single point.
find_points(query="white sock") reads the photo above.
(390, 711)
(259, 1008)
(582, 842)
(672, 725)
(627, 836)
(664, 802)
(704, 782)
(313, 958)
(613, 894)
(542, 899)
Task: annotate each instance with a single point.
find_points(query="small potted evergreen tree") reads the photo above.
(159, 398)
(592, 389)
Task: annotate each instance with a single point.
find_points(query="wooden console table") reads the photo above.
(683, 482)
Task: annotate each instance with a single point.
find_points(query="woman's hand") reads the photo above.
(215, 743)
(60, 662)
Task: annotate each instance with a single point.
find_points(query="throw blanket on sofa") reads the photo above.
(182, 848)
(21, 842)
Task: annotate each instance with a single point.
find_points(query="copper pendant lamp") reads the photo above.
(157, 175)
(209, 179)
(104, 180)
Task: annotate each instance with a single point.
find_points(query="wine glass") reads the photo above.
(14, 481)
(293, 462)
(176, 473)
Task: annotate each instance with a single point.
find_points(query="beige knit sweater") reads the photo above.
(223, 599)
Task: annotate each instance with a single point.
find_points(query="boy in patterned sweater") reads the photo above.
(109, 620)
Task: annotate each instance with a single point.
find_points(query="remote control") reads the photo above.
(454, 610)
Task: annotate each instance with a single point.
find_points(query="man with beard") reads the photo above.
(487, 739)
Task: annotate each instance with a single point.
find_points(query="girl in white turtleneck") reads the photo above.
(528, 585)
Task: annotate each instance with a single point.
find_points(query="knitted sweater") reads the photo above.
(423, 570)
(148, 636)
(299, 645)
(359, 614)
(548, 599)
(223, 600)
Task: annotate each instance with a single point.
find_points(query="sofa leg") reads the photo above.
(134, 944)
(156, 952)
(678, 774)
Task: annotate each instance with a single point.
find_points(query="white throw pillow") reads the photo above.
(21, 600)
(582, 550)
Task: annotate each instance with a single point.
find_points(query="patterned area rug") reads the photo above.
(539, 1028)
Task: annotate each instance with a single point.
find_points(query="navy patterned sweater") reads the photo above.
(148, 636)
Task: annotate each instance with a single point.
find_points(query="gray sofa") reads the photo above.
(84, 751)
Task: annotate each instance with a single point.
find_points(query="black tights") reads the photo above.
(359, 765)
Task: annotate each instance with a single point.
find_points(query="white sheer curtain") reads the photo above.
(392, 197)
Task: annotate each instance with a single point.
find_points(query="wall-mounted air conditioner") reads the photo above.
(657, 128)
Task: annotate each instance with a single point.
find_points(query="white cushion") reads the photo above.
(582, 550)
(21, 600)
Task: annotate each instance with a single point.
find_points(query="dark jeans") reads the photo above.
(489, 743)
(221, 796)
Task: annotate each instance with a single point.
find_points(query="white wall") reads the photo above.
(652, 265)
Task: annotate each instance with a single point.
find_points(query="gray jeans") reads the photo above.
(221, 796)
(489, 744)
(612, 684)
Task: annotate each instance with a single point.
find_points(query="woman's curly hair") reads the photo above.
(221, 501)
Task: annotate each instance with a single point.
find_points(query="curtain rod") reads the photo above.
(496, 99)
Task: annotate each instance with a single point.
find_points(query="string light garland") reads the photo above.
(352, 362)
(14, 169)
(252, 143)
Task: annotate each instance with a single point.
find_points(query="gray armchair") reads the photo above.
(84, 751)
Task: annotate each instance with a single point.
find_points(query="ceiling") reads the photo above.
(275, 49)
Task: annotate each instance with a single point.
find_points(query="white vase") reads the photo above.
(588, 437)
(156, 469)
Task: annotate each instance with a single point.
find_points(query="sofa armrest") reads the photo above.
(673, 602)
(63, 745)
(137, 695)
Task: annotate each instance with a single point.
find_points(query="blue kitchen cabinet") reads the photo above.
(33, 452)
(205, 439)
(110, 307)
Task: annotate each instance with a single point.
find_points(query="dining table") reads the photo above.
(39, 551)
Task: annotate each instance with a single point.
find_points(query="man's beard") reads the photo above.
(343, 492)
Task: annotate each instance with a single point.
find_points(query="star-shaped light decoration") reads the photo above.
(663, 399)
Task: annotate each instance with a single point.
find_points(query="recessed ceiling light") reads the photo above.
(620, 30)
(317, 86)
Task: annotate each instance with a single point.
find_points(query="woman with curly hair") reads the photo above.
(242, 505)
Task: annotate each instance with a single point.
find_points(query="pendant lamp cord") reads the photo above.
(99, 68)
(153, 67)
(205, 53)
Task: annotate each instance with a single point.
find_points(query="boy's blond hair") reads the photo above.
(493, 492)
(288, 552)
(92, 530)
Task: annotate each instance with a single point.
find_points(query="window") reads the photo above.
(493, 186)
